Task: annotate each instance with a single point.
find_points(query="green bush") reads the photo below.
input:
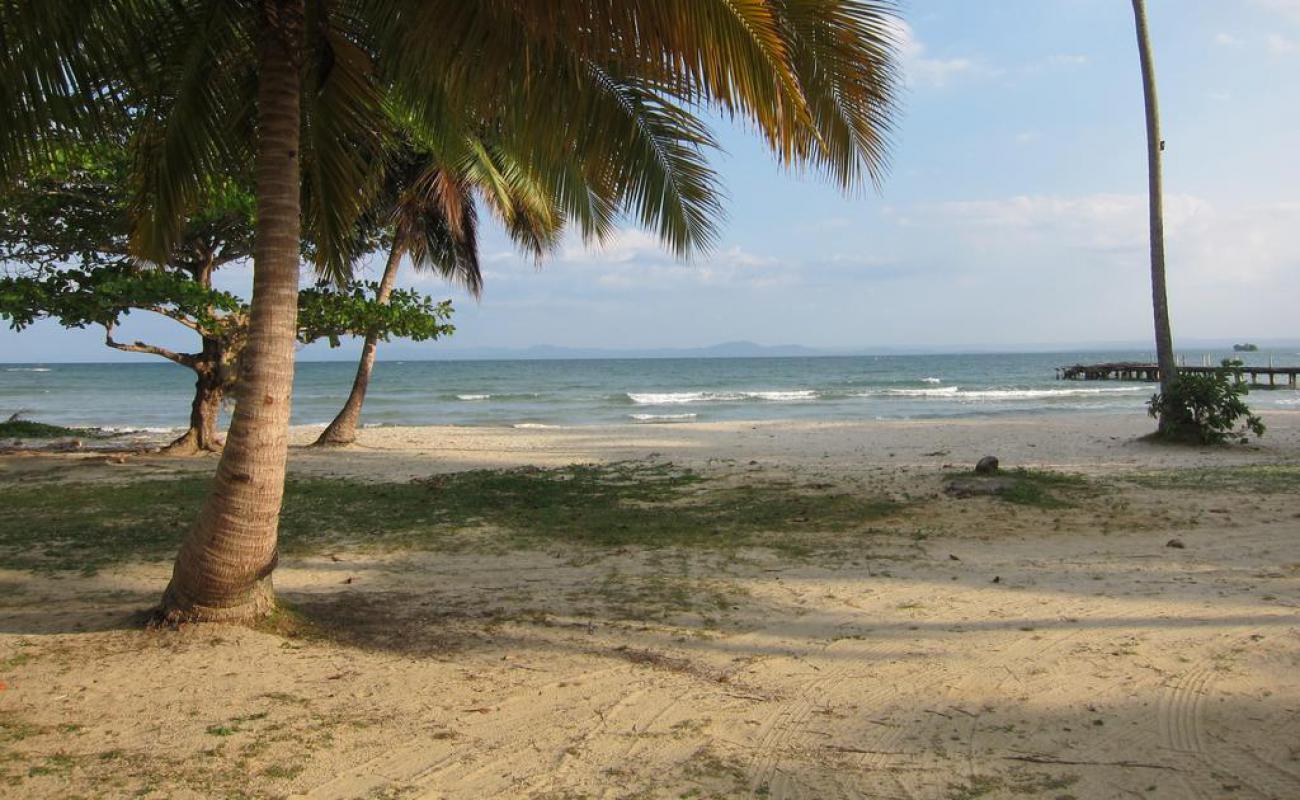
(1206, 408)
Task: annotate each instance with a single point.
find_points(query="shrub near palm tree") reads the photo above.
(611, 85)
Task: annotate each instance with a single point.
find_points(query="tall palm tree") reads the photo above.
(428, 208)
(1159, 297)
(614, 87)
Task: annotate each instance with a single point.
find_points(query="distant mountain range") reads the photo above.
(406, 351)
(546, 351)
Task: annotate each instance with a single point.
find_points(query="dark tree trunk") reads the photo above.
(343, 430)
(205, 409)
(223, 570)
(1159, 297)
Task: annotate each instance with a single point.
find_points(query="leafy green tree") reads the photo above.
(105, 295)
(69, 219)
(612, 88)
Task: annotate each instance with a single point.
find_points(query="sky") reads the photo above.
(1013, 213)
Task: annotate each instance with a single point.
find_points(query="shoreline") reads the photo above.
(1089, 443)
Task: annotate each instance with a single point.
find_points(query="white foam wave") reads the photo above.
(662, 417)
(473, 396)
(532, 425)
(675, 398)
(932, 380)
(946, 391)
(28, 369)
(1035, 394)
(957, 393)
(128, 431)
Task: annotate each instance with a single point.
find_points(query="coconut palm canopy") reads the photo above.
(600, 99)
(599, 103)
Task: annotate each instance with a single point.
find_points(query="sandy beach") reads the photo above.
(1140, 638)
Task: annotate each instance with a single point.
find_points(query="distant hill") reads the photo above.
(440, 351)
(546, 351)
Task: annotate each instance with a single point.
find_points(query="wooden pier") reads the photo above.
(1138, 371)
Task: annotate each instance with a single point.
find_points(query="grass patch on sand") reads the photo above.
(1260, 479)
(26, 429)
(83, 526)
(1025, 487)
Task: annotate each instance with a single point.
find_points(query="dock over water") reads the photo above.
(1263, 377)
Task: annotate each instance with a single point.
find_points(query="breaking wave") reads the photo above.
(957, 393)
(661, 417)
(675, 398)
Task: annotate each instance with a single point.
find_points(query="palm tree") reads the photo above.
(609, 88)
(1159, 297)
(430, 217)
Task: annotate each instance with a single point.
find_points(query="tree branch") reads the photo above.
(174, 315)
(184, 359)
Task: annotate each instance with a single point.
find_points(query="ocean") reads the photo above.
(155, 396)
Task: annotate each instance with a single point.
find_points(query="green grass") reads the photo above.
(84, 526)
(26, 429)
(1276, 479)
(1036, 487)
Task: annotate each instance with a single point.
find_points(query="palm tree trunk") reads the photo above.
(223, 570)
(343, 430)
(1159, 297)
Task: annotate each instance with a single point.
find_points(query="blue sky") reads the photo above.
(1014, 212)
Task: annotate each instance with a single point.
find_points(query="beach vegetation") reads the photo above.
(104, 296)
(1247, 479)
(17, 428)
(85, 526)
(1205, 408)
(301, 90)
(1026, 487)
(65, 228)
(65, 225)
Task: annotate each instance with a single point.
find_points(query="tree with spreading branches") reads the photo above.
(104, 296)
(589, 93)
(64, 227)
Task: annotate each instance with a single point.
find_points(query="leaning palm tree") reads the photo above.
(1159, 296)
(427, 207)
(613, 86)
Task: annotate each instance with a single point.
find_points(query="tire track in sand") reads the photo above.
(1213, 772)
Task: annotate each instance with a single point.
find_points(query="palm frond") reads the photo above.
(193, 120)
(342, 141)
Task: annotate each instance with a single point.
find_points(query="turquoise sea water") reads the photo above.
(640, 391)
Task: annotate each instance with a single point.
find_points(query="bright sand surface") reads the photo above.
(972, 648)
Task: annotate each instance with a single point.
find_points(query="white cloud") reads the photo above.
(1099, 222)
(1232, 249)
(620, 247)
(1068, 60)
(920, 69)
(1027, 137)
(1280, 45)
(1227, 40)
